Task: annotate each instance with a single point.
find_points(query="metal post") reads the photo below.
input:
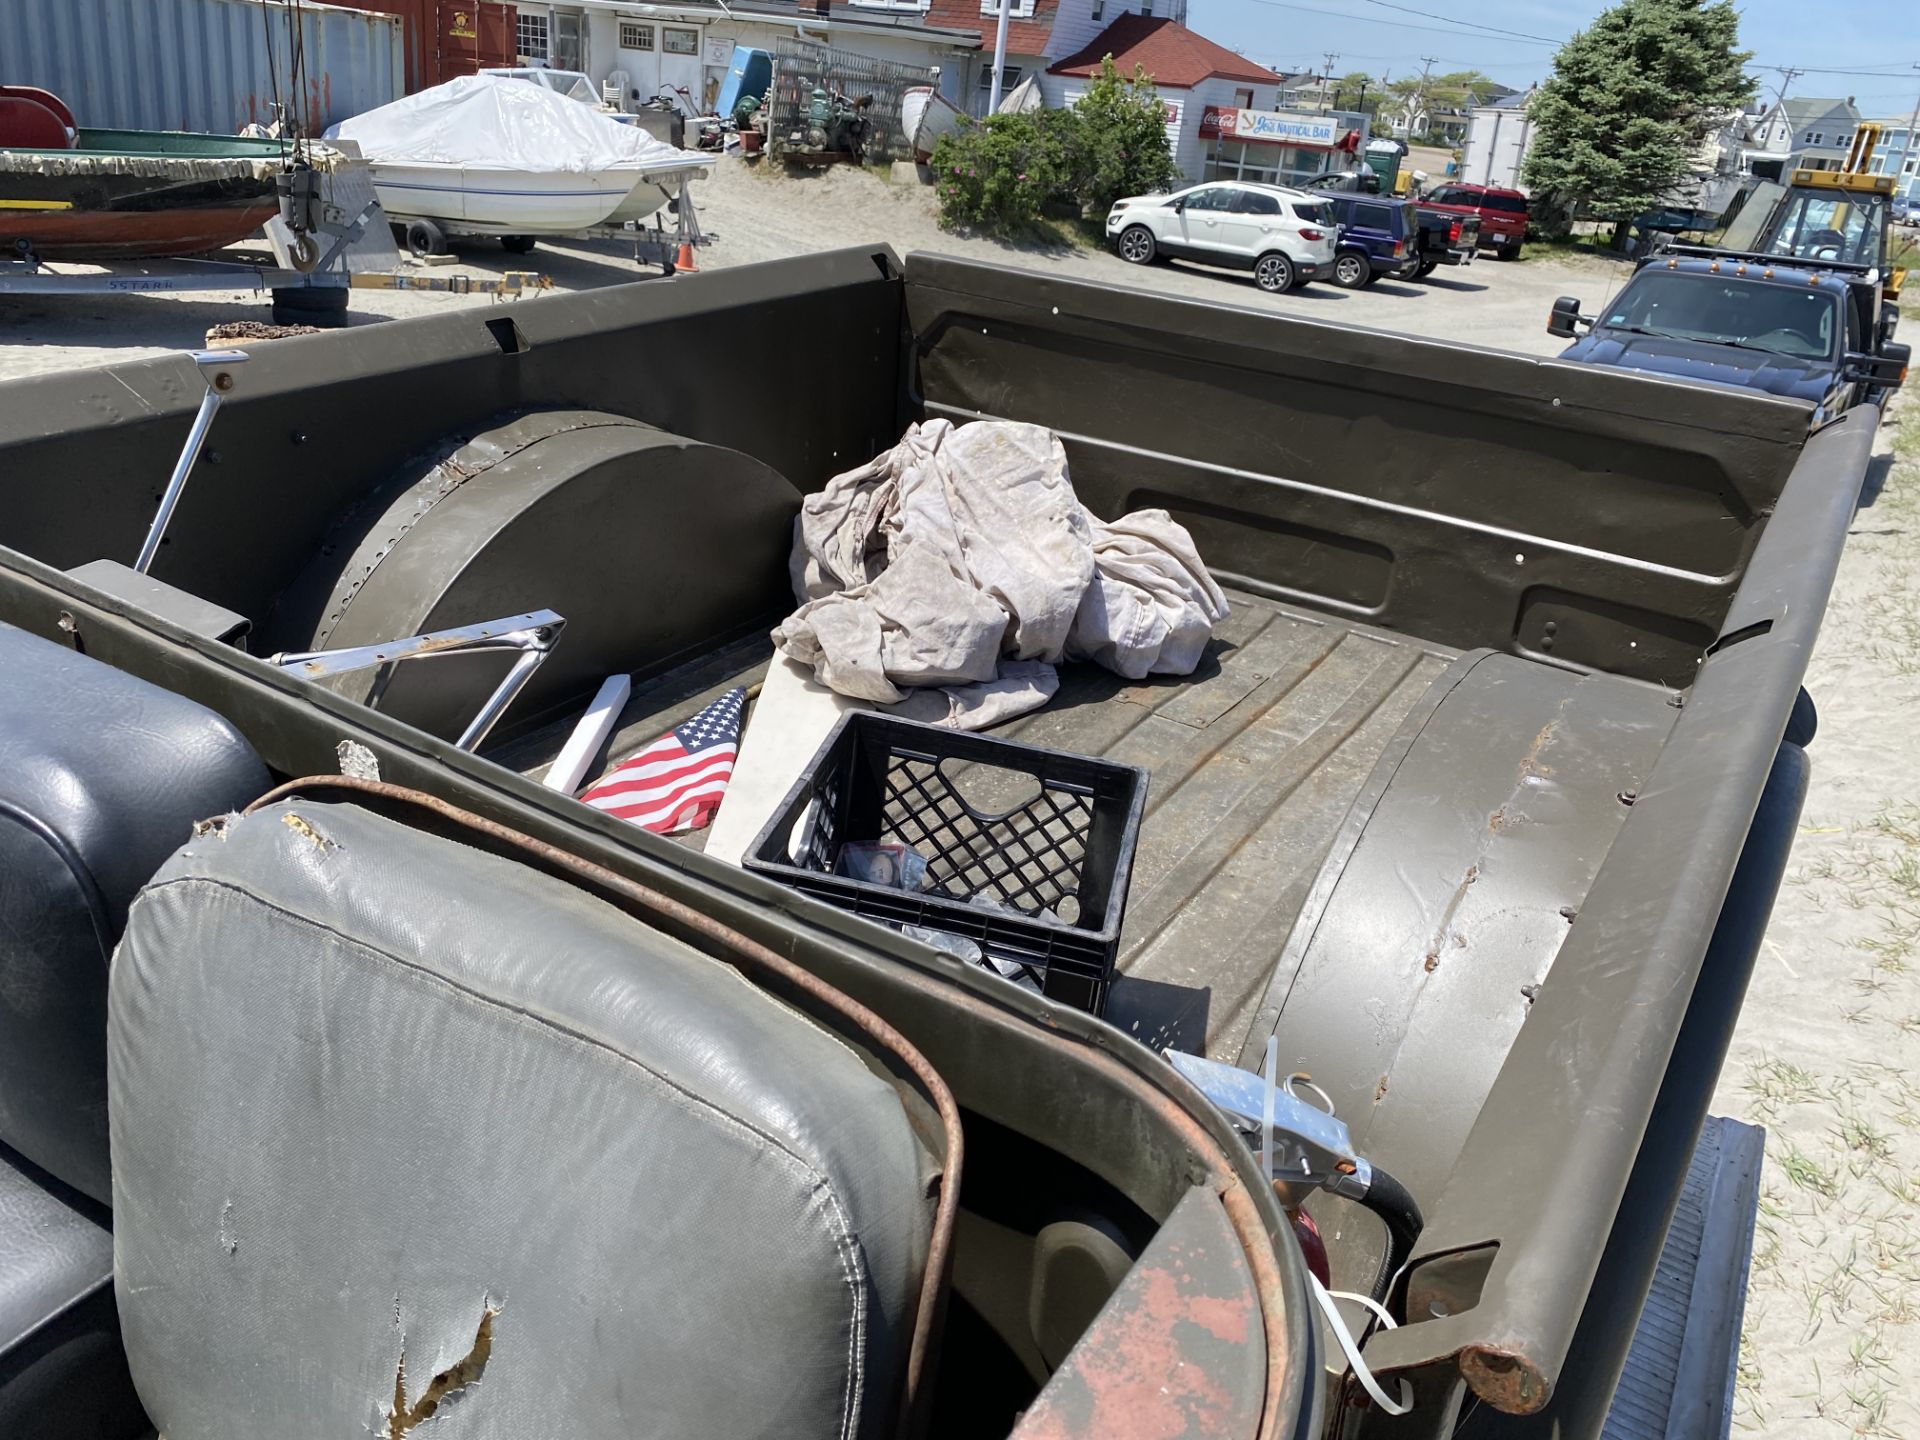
(1900, 186)
(219, 382)
(999, 57)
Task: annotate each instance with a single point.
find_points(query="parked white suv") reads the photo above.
(1284, 236)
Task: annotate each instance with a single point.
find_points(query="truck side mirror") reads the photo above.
(1566, 319)
(1886, 370)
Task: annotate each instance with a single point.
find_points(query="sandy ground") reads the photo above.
(1827, 1055)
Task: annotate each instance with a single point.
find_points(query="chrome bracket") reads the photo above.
(532, 635)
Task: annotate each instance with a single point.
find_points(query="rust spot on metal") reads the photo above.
(1496, 820)
(1141, 1371)
(1380, 1090)
(1432, 962)
(1505, 1379)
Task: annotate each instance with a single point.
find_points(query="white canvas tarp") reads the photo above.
(956, 570)
(498, 124)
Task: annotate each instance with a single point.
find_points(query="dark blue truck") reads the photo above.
(1787, 328)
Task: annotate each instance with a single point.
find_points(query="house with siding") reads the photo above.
(1801, 134)
(1207, 88)
(1898, 153)
(1039, 33)
(685, 45)
(1223, 120)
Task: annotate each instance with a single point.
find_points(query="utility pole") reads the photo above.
(1420, 96)
(999, 57)
(1787, 77)
(1326, 78)
(1900, 186)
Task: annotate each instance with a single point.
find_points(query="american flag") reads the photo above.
(678, 781)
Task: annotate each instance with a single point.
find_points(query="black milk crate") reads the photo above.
(1038, 833)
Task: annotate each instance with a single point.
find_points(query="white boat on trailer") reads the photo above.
(517, 162)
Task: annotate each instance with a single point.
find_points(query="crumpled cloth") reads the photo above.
(964, 547)
(1151, 606)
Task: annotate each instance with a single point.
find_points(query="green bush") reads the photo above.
(1122, 140)
(996, 175)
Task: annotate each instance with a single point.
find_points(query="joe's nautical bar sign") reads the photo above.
(1280, 126)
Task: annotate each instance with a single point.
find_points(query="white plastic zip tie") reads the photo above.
(1369, 1302)
(1344, 1337)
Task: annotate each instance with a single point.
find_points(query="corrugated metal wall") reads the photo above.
(198, 64)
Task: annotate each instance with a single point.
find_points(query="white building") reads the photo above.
(686, 46)
(1222, 117)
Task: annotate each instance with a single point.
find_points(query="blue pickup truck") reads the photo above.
(1747, 321)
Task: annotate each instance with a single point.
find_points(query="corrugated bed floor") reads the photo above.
(1254, 759)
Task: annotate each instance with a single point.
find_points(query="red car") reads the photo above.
(1503, 214)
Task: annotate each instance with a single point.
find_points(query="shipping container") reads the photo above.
(212, 65)
(449, 38)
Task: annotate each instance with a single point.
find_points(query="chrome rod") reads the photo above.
(219, 381)
(502, 697)
(533, 635)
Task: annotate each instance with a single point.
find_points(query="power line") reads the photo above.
(1870, 74)
(1473, 24)
(1399, 24)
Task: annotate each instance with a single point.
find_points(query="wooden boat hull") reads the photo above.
(80, 230)
(123, 195)
(926, 115)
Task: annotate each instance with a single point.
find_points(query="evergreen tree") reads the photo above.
(1629, 102)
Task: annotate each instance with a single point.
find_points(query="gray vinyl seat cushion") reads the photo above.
(386, 1108)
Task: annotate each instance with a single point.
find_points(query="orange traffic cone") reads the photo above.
(684, 264)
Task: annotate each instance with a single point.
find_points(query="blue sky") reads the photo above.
(1814, 35)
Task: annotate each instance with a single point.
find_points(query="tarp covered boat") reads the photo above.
(480, 157)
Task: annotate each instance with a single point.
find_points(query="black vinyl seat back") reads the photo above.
(102, 776)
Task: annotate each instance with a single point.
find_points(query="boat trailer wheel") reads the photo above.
(426, 238)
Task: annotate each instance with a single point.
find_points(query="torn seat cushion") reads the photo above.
(386, 1109)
